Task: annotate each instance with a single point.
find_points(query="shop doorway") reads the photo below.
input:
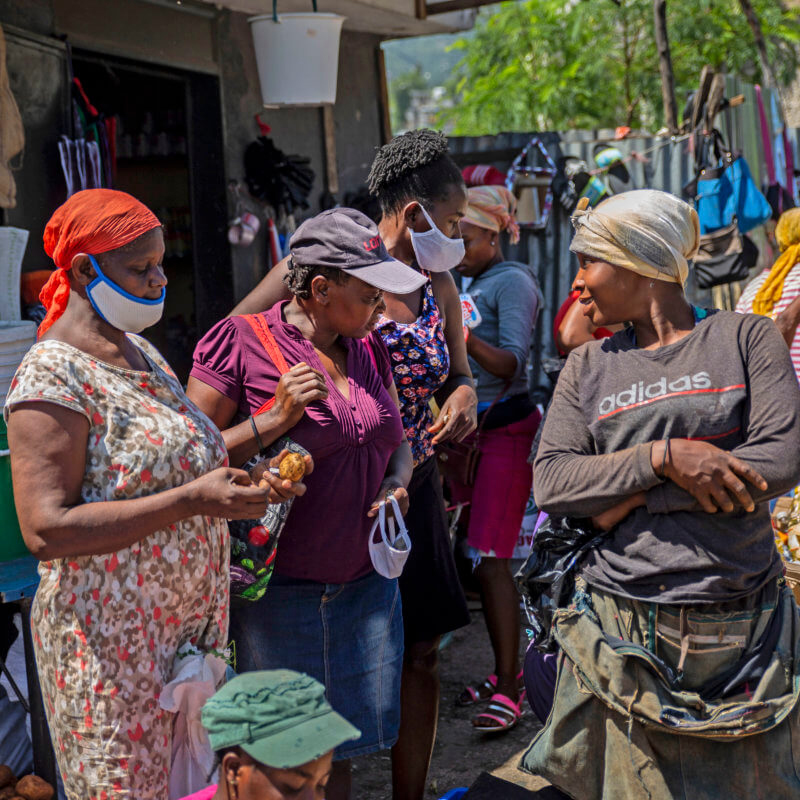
(167, 151)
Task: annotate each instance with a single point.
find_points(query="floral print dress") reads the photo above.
(106, 628)
(420, 364)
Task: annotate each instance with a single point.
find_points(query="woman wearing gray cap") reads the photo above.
(274, 734)
(326, 612)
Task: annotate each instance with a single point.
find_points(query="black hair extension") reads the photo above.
(413, 166)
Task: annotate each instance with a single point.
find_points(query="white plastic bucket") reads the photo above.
(12, 248)
(297, 57)
(15, 340)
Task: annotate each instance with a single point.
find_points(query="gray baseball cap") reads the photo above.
(343, 238)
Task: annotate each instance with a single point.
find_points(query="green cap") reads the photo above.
(279, 717)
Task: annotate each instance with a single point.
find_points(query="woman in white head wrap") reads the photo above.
(670, 436)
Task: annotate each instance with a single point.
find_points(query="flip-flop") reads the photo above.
(483, 693)
(503, 714)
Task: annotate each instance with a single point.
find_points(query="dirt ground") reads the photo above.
(460, 754)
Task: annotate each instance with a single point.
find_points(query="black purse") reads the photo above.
(725, 256)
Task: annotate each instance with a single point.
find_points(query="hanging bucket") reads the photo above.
(297, 57)
(15, 339)
(11, 544)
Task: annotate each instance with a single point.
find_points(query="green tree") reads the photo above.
(556, 64)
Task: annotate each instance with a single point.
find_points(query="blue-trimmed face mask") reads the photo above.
(119, 308)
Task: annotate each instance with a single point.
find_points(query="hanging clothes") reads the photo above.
(12, 133)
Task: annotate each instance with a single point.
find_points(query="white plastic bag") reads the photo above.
(195, 677)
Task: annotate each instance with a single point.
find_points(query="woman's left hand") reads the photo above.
(458, 417)
(280, 489)
(611, 517)
(390, 487)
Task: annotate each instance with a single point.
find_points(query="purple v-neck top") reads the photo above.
(326, 533)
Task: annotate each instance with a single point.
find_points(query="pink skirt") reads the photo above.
(502, 487)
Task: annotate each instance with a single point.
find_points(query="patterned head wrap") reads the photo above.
(493, 208)
(647, 231)
(93, 221)
(787, 232)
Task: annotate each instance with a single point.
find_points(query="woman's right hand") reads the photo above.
(297, 388)
(713, 476)
(228, 493)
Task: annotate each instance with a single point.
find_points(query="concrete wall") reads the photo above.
(221, 45)
(357, 122)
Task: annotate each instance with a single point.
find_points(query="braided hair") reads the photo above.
(413, 166)
(299, 277)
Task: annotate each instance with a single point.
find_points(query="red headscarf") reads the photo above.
(93, 221)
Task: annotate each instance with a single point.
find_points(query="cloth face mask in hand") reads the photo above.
(390, 553)
(119, 308)
(436, 252)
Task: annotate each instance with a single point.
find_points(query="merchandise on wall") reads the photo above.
(137, 120)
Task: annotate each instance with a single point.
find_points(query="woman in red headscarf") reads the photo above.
(122, 489)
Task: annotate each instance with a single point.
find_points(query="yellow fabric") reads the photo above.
(787, 232)
(647, 231)
(493, 208)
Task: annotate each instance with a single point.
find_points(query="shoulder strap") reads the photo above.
(264, 334)
(371, 353)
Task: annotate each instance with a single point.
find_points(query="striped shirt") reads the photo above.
(791, 289)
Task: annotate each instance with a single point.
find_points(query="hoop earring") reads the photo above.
(652, 284)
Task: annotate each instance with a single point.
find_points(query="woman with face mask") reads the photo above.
(422, 199)
(122, 490)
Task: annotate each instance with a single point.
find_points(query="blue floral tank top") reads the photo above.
(420, 364)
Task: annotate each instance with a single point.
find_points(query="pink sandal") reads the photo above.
(483, 693)
(503, 714)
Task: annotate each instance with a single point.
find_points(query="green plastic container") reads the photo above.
(11, 544)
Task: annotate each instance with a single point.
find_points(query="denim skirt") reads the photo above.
(349, 636)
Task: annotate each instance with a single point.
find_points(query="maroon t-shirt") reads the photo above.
(351, 441)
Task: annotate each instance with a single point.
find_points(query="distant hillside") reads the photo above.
(428, 52)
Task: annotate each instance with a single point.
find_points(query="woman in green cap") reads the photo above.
(274, 733)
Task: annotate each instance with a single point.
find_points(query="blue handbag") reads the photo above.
(727, 191)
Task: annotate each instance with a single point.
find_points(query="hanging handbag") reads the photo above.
(725, 190)
(458, 461)
(725, 256)
(254, 542)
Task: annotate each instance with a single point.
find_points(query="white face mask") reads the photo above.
(436, 252)
(390, 553)
(119, 308)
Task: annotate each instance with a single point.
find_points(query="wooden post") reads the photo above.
(332, 171)
(665, 66)
(383, 99)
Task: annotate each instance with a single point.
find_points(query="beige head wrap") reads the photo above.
(647, 231)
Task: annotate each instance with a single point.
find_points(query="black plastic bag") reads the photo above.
(547, 578)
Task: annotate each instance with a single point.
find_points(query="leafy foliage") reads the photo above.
(556, 64)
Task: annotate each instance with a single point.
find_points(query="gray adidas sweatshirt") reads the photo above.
(730, 382)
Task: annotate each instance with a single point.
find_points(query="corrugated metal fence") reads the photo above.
(667, 165)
